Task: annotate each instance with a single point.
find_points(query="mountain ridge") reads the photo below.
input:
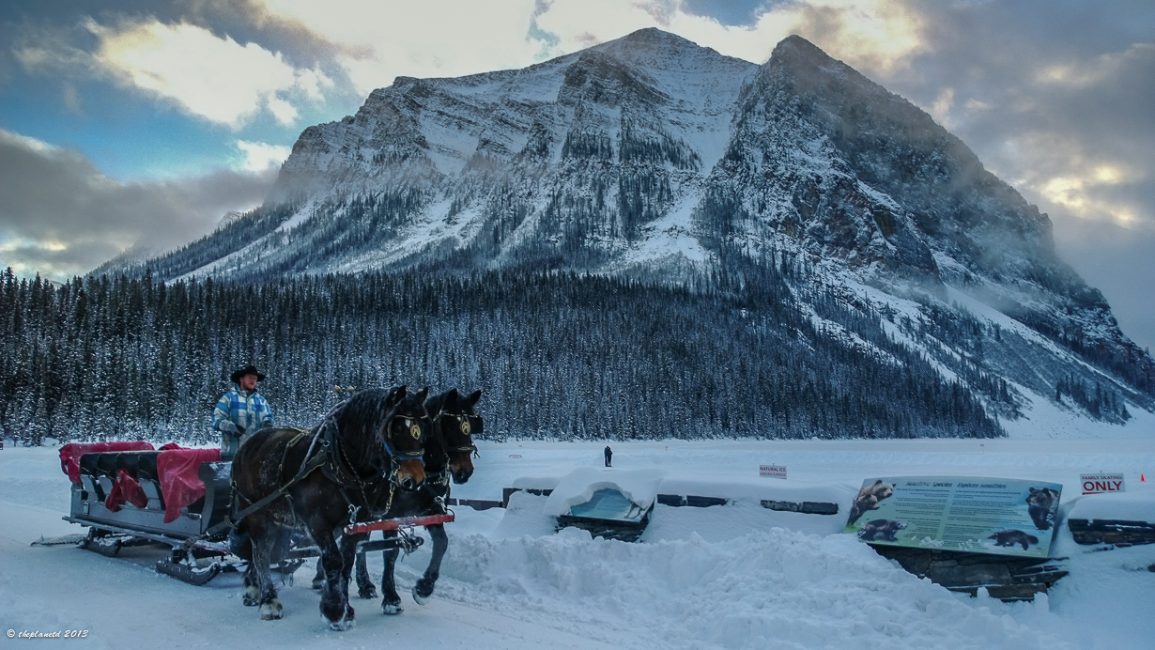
(652, 157)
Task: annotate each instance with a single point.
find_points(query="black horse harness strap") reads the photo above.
(465, 422)
(343, 474)
(469, 423)
(311, 463)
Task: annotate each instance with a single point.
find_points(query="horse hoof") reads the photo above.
(391, 609)
(422, 590)
(318, 583)
(344, 623)
(272, 611)
(251, 597)
(367, 592)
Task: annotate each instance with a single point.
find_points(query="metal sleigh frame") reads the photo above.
(111, 530)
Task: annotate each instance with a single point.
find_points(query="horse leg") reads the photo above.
(390, 602)
(265, 539)
(348, 545)
(335, 608)
(365, 586)
(252, 594)
(241, 546)
(424, 587)
(319, 576)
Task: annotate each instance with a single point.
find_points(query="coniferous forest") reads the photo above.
(556, 355)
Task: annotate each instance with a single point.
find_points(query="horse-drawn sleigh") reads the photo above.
(380, 461)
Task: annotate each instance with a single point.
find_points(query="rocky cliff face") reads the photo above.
(653, 157)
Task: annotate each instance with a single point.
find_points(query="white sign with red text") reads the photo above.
(1101, 482)
(772, 471)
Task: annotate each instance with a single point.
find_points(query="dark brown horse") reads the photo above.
(367, 450)
(448, 455)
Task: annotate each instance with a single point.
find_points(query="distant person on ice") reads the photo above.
(241, 411)
(609, 456)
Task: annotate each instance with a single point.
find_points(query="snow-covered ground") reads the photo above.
(735, 576)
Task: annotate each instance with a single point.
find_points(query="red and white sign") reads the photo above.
(772, 471)
(1101, 482)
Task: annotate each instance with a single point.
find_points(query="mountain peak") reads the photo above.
(796, 51)
(655, 35)
(652, 156)
(654, 47)
(796, 43)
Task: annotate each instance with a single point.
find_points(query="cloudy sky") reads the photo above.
(144, 122)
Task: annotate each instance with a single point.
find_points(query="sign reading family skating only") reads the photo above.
(1101, 482)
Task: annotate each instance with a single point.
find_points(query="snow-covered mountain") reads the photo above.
(652, 157)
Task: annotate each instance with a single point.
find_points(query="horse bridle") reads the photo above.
(413, 426)
(465, 424)
(395, 457)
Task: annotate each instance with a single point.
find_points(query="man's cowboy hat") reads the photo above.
(247, 370)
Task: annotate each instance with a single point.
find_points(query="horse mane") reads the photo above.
(355, 425)
(437, 402)
(363, 413)
(436, 455)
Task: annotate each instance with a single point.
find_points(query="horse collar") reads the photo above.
(338, 467)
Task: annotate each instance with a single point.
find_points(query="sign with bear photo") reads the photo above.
(976, 515)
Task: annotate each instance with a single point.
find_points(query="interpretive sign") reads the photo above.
(975, 515)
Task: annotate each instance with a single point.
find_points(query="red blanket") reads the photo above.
(70, 454)
(125, 488)
(180, 483)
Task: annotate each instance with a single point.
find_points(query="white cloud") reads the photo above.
(313, 83)
(876, 35)
(282, 110)
(209, 76)
(47, 54)
(379, 41)
(261, 156)
(870, 33)
(20, 140)
(942, 106)
(1082, 74)
(1086, 192)
(60, 216)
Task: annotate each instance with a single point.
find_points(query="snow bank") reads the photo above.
(734, 576)
(762, 588)
(1138, 505)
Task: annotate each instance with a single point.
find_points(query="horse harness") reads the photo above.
(468, 424)
(327, 454)
(341, 470)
